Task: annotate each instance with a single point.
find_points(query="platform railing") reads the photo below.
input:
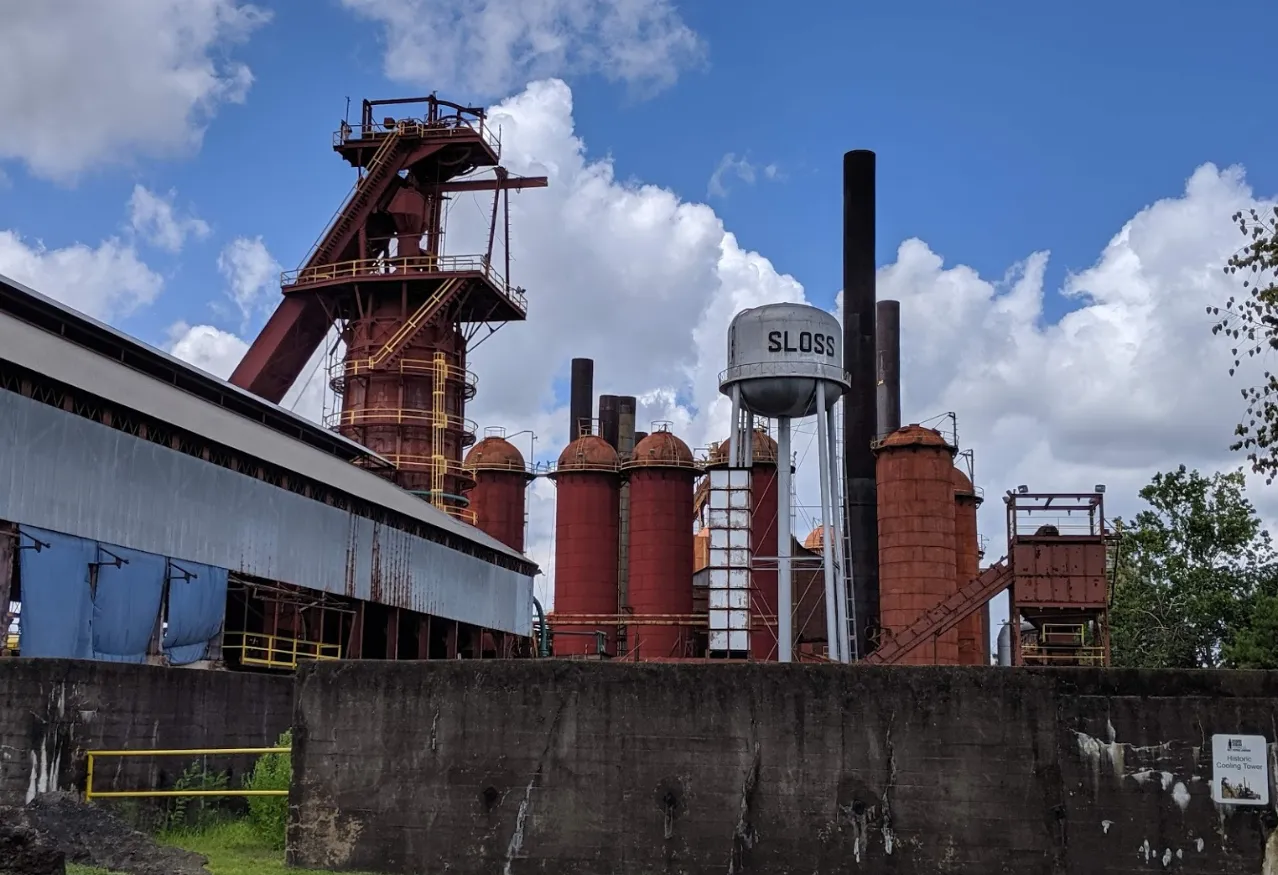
(94, 755)
(375, 416)
(277, 651)
(451, 126)
(362, 268)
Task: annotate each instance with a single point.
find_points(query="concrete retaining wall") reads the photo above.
(53, 710)
(616, 769)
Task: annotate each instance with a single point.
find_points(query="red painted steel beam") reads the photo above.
(276, 358)
(516, 183)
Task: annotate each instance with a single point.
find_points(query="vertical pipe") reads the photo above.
(833, 639)
(836, 530)
(627, 405)
(581, 398)
(734, 437)
(609, 419)
(785, 592)
(859, 405)
(887, 330)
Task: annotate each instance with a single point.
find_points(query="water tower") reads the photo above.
(785, 362)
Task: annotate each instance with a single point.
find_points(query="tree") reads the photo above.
(1193, 574)
(1251, 322)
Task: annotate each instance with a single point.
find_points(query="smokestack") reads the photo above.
(887, 327)
(609, 422)
(859, 405)
(581, 398)
(626, 407)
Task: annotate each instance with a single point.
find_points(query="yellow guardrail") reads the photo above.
(277, 651)
(94, 755)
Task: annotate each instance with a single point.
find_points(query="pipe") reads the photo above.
(833, 640)
(887, 329)
(543, 630)
(609, 413)
(835, 530)
(860, 404)
(785, 590)
(625, 447)
(581, 398)
(627, 406)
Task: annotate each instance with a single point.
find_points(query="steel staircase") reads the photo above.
(946, 615)
(394, 348)
(352, 214)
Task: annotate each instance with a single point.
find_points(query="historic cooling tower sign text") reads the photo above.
(1240, 769)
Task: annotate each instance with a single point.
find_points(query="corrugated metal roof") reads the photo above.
(29, 346)
(30, 306)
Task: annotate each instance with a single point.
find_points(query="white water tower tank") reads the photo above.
(778, 353)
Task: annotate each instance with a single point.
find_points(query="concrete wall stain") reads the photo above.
(610, 769)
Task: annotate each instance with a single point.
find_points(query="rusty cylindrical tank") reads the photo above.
(661, 471)
(917, 564)
(973, 630)
(499, 497)
(588, 482)
(763, 539)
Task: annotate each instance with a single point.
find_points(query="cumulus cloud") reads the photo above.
(1129, 382)
(495, 46)
(132, 79)
(251, 272)
(107, 281)
(154, 217)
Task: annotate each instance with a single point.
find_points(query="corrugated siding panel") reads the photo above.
(69, 474)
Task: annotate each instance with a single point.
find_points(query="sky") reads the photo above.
(1055, 187)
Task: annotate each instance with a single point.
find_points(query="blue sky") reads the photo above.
(1000, 131)
(1004, 131)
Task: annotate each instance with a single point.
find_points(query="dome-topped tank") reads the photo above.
(498, 497)
(778, 353)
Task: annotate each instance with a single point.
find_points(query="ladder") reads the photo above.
(371, 184)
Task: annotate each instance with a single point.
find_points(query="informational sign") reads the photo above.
(1240, 769)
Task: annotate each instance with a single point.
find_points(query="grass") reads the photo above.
(233, 848)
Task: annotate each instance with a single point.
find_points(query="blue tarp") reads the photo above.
(57, 607)
(197, 607)
(126, 603)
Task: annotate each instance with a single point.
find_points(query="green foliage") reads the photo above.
(1251, 323)
(195, 812)
(269, 814)
(1195, 577)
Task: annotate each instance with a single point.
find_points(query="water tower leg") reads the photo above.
(785, 596)
(842, 576)
(734, 437)
(833, 639)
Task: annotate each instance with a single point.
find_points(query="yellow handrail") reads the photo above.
(410, 326)
(277, 651)
(370, 416)
(366, 267)
(92, 755)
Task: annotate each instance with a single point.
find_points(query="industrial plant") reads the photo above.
(150, 512)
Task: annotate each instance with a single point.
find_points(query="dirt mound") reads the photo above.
(91, 836)
(24, 850)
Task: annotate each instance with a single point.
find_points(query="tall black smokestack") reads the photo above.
(581, 398)
(609, 419)
(887, 327)
(860, 404)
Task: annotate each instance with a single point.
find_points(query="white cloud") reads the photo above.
(732, 166)
(153, 216)
(85, 83)
(108, 281)
(251, 272)
(1130, 382)
(206, 347)
(488, 48)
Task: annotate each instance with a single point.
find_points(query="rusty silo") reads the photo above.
(763, 537)
(498, 498)
(588, 485)
(660, 471)
(917, 564)
(973, 630)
